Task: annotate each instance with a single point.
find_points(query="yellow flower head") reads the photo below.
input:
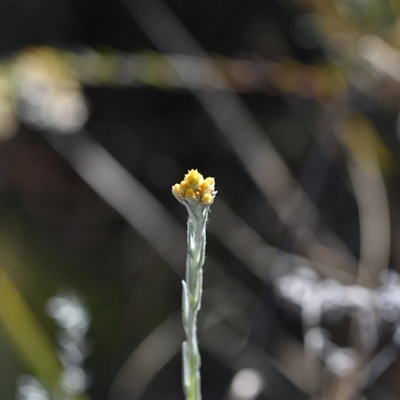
(195, 189)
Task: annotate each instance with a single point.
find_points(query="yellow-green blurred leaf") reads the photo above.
(366, 146)
(32, 343)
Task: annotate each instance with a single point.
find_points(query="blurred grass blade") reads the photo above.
(29, 339)
(31, 342)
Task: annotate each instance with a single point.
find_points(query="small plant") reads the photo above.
(196, 194)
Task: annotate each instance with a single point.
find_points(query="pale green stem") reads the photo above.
(191, 300)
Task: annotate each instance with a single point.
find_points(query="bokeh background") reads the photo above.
(293, 107)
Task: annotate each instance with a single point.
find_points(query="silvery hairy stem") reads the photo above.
(191, 300)
(196, 194)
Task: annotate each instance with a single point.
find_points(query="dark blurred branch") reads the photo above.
(357, 135)
(373, 205)
(123, 192)
(159, 347)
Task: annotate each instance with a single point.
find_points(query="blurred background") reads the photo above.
(293, 107)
